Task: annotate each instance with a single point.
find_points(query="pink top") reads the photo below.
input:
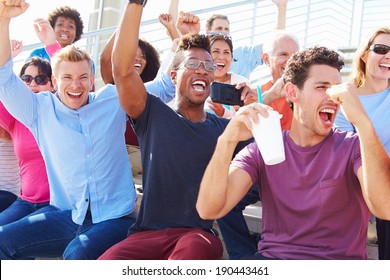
(35, 186)
(53, 48)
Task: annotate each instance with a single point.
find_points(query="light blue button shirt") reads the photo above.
(246, 59)
(162, 86)
(40, 52)
(84, 150)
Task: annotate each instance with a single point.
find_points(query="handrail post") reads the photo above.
(254, 17)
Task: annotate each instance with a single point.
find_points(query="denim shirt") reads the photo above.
(84, 149)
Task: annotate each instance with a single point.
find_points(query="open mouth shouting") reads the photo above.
(75, 95)
(385, 66)
(199, 86)
(64, 37)
(327, 116)
(220, 66)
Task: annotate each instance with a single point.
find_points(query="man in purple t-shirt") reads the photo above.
(316, 204)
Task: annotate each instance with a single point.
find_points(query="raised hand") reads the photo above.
(346, 96)
(166, 20)
(188, 23)
(44, 31)
(169, 23)
(12, 8)
(280, 3)
(16, 47)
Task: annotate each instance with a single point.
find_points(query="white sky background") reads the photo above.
(22, 27)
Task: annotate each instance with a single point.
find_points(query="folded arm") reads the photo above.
(5, 45)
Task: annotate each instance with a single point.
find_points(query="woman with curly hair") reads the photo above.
(146, 64)
(67, 25)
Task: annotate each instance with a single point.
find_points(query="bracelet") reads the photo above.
(139, 2)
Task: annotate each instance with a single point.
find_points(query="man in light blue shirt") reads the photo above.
(81, 137)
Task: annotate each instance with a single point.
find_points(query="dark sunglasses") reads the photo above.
(40, 80)
(380, 49)
(194, 64)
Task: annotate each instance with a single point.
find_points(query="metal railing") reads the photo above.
(337, 24)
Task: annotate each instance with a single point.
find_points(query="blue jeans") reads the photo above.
(238, 241)
(52, 234)
(6, 199)
(19, 209)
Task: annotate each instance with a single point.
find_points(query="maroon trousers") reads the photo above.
(167, 244)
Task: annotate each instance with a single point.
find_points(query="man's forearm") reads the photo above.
(126, 39)
(5, 45)
(131, 90)
(281, 17)
(271, 95)
(213, 188)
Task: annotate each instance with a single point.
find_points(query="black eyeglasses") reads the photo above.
(40, 80)
(380, 49)
(194, 64)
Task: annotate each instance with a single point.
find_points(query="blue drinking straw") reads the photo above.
(259, 94)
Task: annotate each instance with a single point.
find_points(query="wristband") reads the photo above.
(53, 48)
(139, 2)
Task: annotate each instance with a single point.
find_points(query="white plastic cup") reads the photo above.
(269, 138)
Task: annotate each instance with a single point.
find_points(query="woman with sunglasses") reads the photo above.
(371, 78)
(34, 195)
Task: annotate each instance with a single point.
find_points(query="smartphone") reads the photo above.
(225, 94)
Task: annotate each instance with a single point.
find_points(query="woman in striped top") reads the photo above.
(9, 171)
